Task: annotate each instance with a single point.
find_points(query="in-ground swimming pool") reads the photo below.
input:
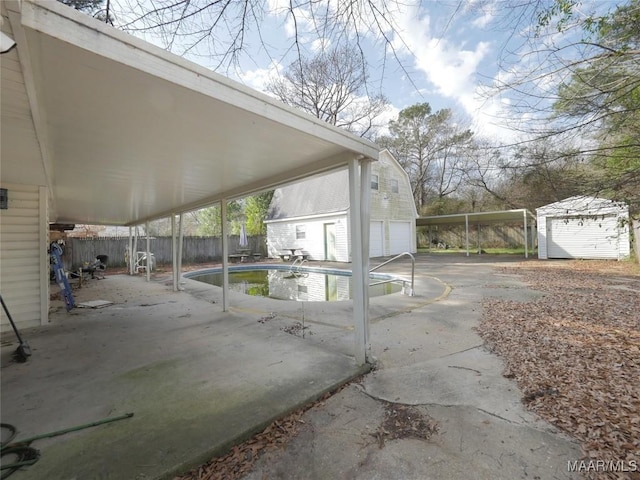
(281, 282)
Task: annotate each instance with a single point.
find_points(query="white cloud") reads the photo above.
(451, 68)
(258, 78)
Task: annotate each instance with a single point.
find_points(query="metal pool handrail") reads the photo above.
(413, 268)
(298, 265)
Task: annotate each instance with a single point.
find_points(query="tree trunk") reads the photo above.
(635, 235)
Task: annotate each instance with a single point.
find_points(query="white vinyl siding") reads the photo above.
(583, 227)
(376, 239)
(23, 243)
(400, 237)
(575, 237)
(282, 235)
(391, 201)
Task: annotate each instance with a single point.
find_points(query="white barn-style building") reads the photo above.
(584, 227)
(313, 215)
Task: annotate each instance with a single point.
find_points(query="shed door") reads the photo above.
(575, 237)
(330, 242)
(399, 237)
(376, 244)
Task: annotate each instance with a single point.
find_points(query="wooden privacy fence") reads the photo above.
(492, 236)
(194, 249)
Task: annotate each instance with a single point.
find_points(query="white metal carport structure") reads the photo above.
(522, 215)
(120, 132)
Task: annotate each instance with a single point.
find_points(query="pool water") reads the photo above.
(306, 286)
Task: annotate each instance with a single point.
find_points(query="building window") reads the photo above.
(301, 232)
(394, 185)
(374, 182)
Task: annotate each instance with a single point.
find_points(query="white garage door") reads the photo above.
(399, 237)
(574, 237)
(376, 244)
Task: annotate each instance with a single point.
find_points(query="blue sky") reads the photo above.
(446, 51)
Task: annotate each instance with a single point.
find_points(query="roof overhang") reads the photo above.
(127, 132)
(483, 218)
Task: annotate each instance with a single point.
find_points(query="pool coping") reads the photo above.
(272, 266)
(381, 278)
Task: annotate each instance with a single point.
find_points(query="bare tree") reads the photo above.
(221, 30)
(573, 84)
(87, 6)
(333, 87)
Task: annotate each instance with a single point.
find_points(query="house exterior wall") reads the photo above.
(24, 276)
(281, 235)
(393, 208)
(392, 213)
(588, 228)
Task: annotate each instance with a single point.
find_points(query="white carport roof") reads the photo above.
(522, 215)
(124, 132)
(500, 216)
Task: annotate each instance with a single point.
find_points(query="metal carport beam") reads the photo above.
(225, 256)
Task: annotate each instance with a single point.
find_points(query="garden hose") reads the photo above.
(23, 454)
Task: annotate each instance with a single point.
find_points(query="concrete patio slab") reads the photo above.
(430, 358)
(197, 380)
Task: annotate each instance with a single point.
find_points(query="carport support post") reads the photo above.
(526, 236)
(365, 210)
(466, 232)
(174, 262)
(359, 317)
(148, 267)
(180, 244)
(174, 253)
(176, 250)
(130, 251)
(225, 256)
(134, 258)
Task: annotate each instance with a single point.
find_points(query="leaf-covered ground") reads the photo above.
(575, 354)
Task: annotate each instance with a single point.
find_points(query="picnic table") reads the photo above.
(293, 250)
(243, 254)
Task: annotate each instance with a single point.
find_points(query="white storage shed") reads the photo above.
(584, 227)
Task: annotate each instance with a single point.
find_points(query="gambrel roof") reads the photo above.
(319, 195)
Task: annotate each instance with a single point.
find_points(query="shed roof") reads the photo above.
(121, 131)
(583, 205)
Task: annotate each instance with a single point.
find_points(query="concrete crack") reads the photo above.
(433, 404)
(462, 351)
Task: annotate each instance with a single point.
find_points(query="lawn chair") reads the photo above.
(97, 267)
